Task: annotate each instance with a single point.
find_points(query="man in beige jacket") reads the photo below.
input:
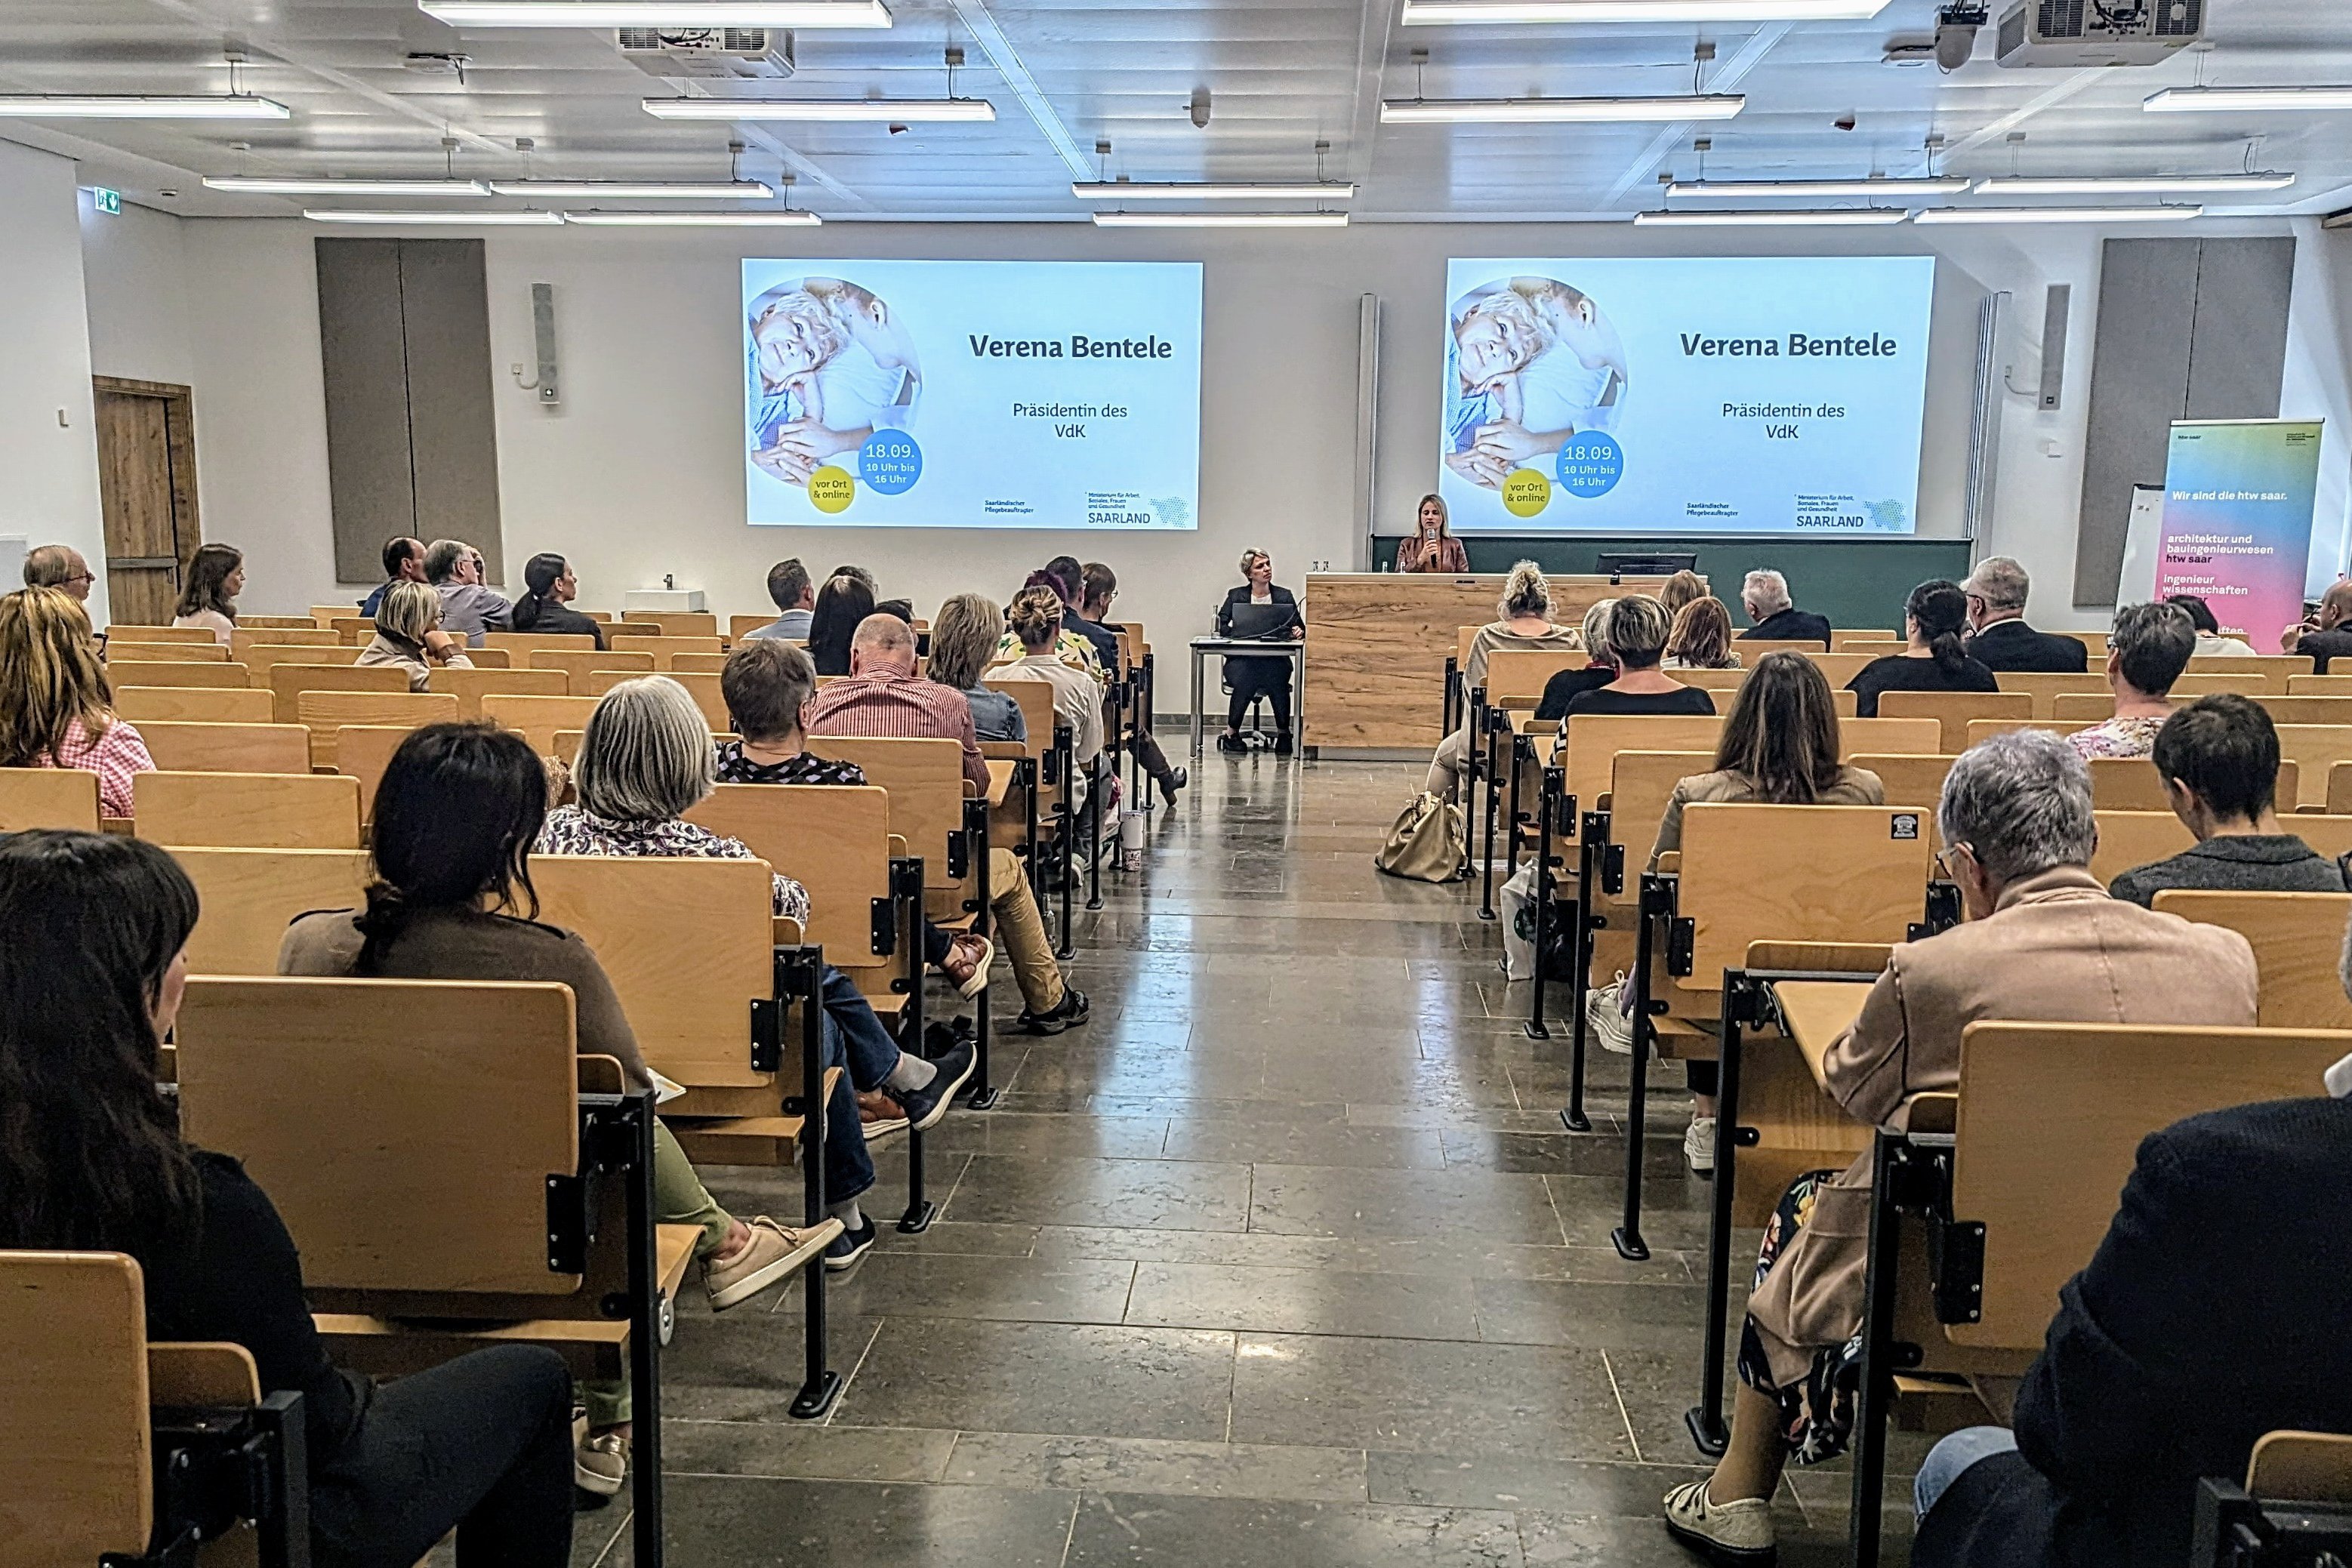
(2042, 942)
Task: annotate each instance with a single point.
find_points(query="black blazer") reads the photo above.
(2014, 645)
(1790, 626)
(1236, 597)
(1101, 639)
(561, 618)
(2218, 1307)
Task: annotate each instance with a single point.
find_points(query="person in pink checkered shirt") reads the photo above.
(55, 708)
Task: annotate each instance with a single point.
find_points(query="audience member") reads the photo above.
(1999, 638)
(468, 610)
(408, 635)
(208, 598)
(60, 567)
(1069, 580)
(2218, 1307)
(1700, 637)
(963, 640)
(2323, 635)
(1764, 594)
(1251, 678)
(546, 605)
(93, 965)
(2150, 645)
(2042, 942)
(1636, 634)
(1522, 622)
(55, 707)
(1035, 618)
(403, 561)
(1431, 547)
(1068, 647)
(1097, 586)
(450, 843)
(1679, 589)
(1935, 661)
(843, 605)
(2210, 643)
(2218, 758)
(796, 598)
(862, 575)
(1600, 667)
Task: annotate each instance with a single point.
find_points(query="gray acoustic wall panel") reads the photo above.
(2188, 328)
(365, 361)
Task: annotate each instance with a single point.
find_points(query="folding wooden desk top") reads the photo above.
(1817, 1012)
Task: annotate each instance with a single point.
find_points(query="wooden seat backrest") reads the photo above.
(2339, 788)
(2051, 1119)
(175, 672)
(288, 682)
(278, 622)
(580, 666)
(1036, 700)
(697, 663)
(327, 712)
(76, 1446)
(135, 652)
(524, 644)
(48, 797)
(1640, 785)
(1984, 730)
(2249, 682)
(2319, 685)
(834, 840)
(1462, 637)
(1595, 739)
(537, 718)
(1516, 676)
(2286, 667)
(251, 811)
(2133, 784)
(1868, 648)
(674, 623)
(200, 747)
(2318, 748)
(1754, 648)
(1718, 681)
(2298, 938)
(1841, 641)
(1836, 668)
(362, 751)
(1954, 710)
(263, 657)
(702, 688)
(2045, 686)
(1915, 779)
(742, 626)
(664, 649)
(2130, 838)
(404, 1129)
(689, 945)
(244, 638)
(470, 686)
(1798, 874)
(247, 898)
(2330, 710)
(1880, 736)
(194, 704)
(2301, 1467)
(353, 631)
(926, 783)
(201, 636)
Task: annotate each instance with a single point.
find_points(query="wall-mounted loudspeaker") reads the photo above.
(543, 332)
(2054, 306)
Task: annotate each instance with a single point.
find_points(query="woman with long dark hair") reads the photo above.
(545, 606)
(843, 602)
(216, 576)
(93, 962)
(1935, 618)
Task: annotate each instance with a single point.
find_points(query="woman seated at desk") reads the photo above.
(1252, 678)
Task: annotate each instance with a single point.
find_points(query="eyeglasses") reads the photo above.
(81, 576)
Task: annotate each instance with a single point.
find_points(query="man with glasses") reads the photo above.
(59, 566)
(2001, 640)
(1097, 586)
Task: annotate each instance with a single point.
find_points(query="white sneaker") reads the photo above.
(1731, 1533)
(600, 1464)
(1698, 1145)
(1605, 1020)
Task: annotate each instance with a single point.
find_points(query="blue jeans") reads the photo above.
(855, 1039)
(1948, 1458)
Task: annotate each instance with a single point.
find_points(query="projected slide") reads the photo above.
(975, 394)
(1684, 395)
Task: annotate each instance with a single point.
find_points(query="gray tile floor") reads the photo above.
(1286, 1259)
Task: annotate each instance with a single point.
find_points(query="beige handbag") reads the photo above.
(1426, 843)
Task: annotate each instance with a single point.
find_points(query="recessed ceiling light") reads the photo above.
(799, 219)
(1221, 220)
(1205, 191)
(1437, 13)
(883, 111)
(1793, 217)
(435, 215)
(1555, 110)
(1947, 185)
(138, 106)
(2060, 215)
(277, 186)
(659, 13)
(2191, 100)
(638, 190)
(2130, 185)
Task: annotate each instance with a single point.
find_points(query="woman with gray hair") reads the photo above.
(2043, 943)
(1523, 624)
(1600, 666)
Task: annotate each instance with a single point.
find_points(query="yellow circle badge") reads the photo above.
(1525, 492)
(830, 489)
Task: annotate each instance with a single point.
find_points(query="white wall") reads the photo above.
(134, 270)
(49, 447)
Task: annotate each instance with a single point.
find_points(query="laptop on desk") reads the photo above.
(1262, 622)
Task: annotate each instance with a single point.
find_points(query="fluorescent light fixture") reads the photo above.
(2192, 99)
(1221, 220)
(876, 110)
(435, 215)
(2060, 214)
(1440, 13)
(1205, 191)
(659, 12)
(1819, 190)
(1558, 111)
(1793, 217)
(637, 191)
(695, 220)
(277, 186)
(2130, 185)
(138, 106)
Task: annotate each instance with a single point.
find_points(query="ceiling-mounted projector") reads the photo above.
(2071, 34)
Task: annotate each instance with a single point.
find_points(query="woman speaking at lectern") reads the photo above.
(1431, 547)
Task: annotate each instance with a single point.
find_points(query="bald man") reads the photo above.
(2325, 636)
(59, 566)
(883, 699)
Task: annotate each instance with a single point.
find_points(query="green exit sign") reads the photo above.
(106, 200)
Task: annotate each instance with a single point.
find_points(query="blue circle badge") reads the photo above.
(889, 462)
(1591, 463)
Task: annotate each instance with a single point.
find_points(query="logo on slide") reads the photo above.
(1591, 463)
(1525, 492)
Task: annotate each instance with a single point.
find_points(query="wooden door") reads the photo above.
(147, 489)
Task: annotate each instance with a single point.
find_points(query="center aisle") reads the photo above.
(1285, 1258)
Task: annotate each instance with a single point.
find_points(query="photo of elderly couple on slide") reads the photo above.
(830, 364)
(1533, 363)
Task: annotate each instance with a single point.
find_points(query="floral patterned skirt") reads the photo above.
(1816, 1414)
